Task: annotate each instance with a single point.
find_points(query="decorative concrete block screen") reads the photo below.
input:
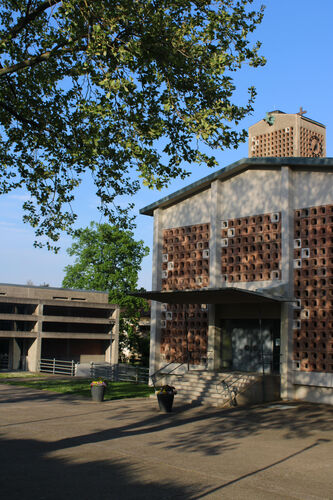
(278, 143)
(311, 143)
(313, 287)
(185, 259)
(185, 265)
(176, 338)
(251, 248)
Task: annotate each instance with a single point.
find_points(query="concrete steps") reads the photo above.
(217, 389)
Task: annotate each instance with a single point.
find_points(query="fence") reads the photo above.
(120, 373)
(57, 366)
(116, 373)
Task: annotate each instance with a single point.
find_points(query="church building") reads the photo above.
(242, 283)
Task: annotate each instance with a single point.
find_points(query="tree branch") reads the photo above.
(7, 107)
(33, 60)
(25, 20)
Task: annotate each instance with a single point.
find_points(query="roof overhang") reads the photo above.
(226, 295)
(321, 164)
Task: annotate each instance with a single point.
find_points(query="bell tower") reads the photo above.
(281, 135)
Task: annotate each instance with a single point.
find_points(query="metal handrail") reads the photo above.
(188, 357)
(153, 376)
(232, 391)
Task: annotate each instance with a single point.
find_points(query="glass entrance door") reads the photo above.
(246, 345)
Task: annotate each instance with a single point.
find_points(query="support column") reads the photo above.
(215, 276)
(35, 350)
(34, 355)
(287, 276)
(112, 351)
(155, 329)
(14, 355)
(214, 341)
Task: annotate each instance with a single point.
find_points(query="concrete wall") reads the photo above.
(191, 211)
(251, 192)
(313, 188)
(323, 395)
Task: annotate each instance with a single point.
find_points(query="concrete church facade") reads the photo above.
(263, 228)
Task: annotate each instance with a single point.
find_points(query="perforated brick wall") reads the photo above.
(311, 143)
(185, 259)
(175, 337)
(251, 248)
(278, 143)
(313, 288)
(185, 265)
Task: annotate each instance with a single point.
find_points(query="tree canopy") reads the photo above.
(127, 90)
(109, 259)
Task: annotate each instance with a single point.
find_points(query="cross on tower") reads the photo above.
(301, 112)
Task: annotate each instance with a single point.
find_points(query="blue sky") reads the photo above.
(297, 40)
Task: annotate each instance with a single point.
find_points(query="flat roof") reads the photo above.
(53, 288)
(324, 164)
(226, 295)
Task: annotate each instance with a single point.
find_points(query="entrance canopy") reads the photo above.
(227, 295)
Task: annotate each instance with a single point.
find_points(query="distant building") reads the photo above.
(65, 324)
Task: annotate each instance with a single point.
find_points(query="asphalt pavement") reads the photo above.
(60, 447)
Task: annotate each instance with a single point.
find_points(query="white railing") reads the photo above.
(117, 372)
(57, 366)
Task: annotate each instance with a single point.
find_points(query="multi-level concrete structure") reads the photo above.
(284, 135)
(249, 249)
(37, 322)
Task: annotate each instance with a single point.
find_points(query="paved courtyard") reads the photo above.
(57, 447)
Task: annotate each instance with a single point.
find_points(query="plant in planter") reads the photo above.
(97, 390)
(165, 397)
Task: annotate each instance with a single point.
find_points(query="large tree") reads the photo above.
(125, 89)
(108, 259)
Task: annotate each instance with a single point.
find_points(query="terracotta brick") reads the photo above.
(313, 344)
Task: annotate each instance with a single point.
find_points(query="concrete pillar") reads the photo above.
(215, 277)
(155, 330)
(14, 354)
(287, 244)
(35, 350)
(112, 351)
(214, 341)
(34, 354)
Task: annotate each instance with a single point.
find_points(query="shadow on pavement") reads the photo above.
(29, 472)
(208, 430)
(53, 462)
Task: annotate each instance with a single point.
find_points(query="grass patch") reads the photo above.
(19, 375)
(81, 387)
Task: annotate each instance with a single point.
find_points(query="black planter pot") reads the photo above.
(97, 393)
(165, 401)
